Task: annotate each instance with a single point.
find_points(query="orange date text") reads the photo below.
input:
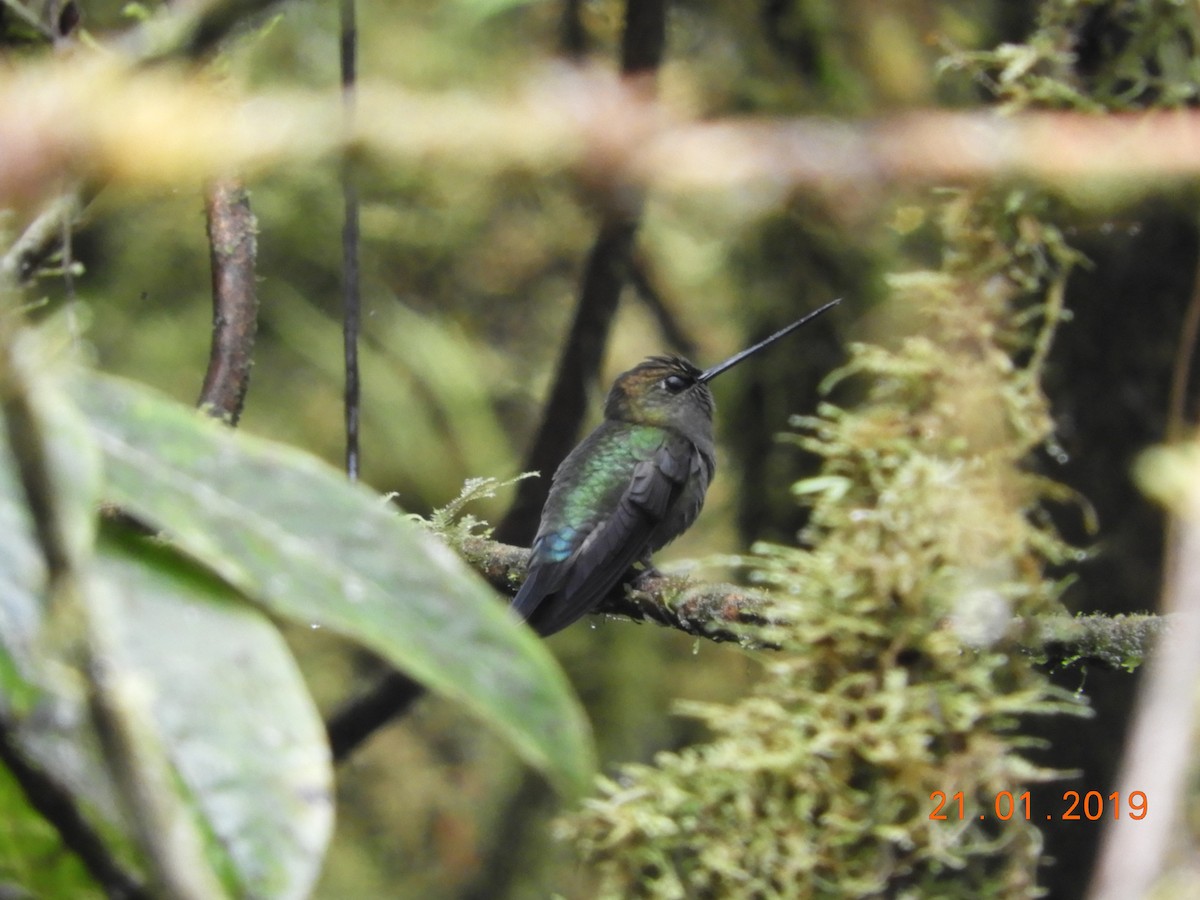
(1074, 806)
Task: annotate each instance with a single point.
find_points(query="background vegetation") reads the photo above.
(1014, 235)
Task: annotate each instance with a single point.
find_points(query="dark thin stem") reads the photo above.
(233, 249)
(362, 716)
(1181, 371)
(351, 299)
(645, 37)
(57, 806)
(672, 329)
(42, 238)
(578, 369)
(572, 34)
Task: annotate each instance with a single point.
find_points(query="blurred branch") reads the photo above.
(573, 38)
(604, 277)
(41, 239)
(672, 329)
(1159, 749)
(361, 716)
(232, 242)
(578, 369)
(57, 806)
(189, 30)
(351, 298)
(608, 132)
(1181, 368)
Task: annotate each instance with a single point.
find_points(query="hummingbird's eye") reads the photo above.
(675, 383)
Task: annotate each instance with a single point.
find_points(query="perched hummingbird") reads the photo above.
(633, 485)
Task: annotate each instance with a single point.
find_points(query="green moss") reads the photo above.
(1096, 55)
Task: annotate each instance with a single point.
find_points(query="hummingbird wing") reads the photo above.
(572, 569)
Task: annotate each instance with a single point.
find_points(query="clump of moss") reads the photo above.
(899, 676)
(1096, 55)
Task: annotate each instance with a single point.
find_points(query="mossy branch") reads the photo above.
(728, 612)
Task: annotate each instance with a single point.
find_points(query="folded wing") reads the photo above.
(558, 591)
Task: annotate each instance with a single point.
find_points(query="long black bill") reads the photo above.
(710, 374)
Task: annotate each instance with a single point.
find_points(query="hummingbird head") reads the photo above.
(667, 391)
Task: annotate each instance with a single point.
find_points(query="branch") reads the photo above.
(729, 613)
(351, 293)
(360, 717)
(232, 231)
(41, 239)
(672, 329)
(57, 806)
(718, 612)
(578, 369)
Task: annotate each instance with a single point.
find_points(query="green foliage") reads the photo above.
(925, 550)
(288, 530)
(136, 676)
(454, 525)
(33, 858)
(1096, 55)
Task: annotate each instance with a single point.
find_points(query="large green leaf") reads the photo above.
(71, 464)
(229, 710)
(33, 858)
(226, 707)
(289, 531)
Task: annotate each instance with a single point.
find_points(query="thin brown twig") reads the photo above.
(41, 239)
(351, 295)
(232, 239)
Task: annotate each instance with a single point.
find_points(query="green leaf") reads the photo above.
(33, 860)
(71, 461)
(289, 531)
(230, 712)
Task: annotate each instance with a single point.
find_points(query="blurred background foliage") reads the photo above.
(469, 280)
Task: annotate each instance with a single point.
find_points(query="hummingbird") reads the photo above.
(630, 487)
